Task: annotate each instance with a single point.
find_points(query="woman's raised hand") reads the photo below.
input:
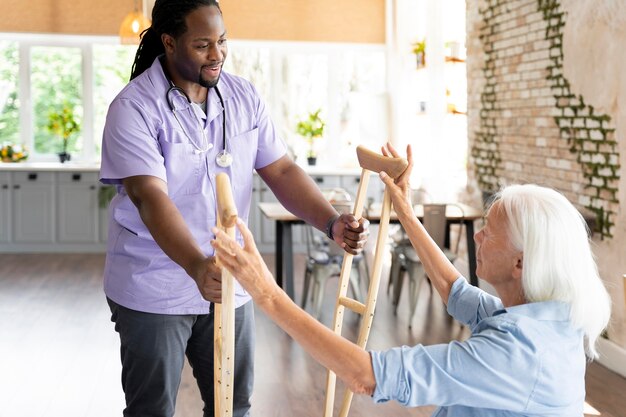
(245, 264)
(399, 189)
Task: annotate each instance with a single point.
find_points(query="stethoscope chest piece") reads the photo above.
(224, 159)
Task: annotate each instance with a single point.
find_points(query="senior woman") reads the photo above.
(526, 353)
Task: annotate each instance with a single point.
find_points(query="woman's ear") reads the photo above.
(518, 266)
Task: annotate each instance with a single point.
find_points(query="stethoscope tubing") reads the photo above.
(223, 159)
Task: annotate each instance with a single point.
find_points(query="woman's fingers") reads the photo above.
(248, 239)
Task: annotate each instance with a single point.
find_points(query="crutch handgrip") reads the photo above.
(353, 305)
(372, 161)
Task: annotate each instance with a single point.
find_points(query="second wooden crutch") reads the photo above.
(394, 167)
(224, 313)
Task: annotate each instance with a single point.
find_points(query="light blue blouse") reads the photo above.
(525, 360)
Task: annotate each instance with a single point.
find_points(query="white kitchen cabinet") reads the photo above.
(77, 215)
(33, 207)
(5, 207)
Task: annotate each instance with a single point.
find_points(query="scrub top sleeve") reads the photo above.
(130, 146)
(270, 147)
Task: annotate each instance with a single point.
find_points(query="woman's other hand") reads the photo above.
(245, 264)
(399, 189)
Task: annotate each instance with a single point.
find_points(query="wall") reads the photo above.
(532, 116)
(294, 20)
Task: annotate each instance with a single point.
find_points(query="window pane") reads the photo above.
(305, 86)
(253, 64)
(112, 65)
(9, 104)
(362, 99)
(56, 80)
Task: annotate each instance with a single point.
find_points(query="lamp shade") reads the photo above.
(134, 23)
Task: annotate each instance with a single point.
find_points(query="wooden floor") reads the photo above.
(59, 353)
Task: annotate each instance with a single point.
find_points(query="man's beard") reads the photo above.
(208, 83)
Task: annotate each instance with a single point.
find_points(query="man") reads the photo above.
(174, 127)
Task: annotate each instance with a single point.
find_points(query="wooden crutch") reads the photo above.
(224, 313)
(394, 167)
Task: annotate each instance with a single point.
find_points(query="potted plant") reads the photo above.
(311, 128)
(62, 123)
(419, 49)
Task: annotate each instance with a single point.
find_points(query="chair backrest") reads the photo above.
(435, 222)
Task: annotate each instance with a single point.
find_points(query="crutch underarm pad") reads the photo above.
(372, 161)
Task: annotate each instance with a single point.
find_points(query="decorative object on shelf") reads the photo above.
(453, 51)
(419, 49)
(310, 129)
(13, 153)
(133, 25)
(63, 124)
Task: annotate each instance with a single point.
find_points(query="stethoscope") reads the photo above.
(224, 159)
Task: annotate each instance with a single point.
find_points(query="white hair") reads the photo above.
(558, 263)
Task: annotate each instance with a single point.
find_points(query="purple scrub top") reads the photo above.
(142, 137)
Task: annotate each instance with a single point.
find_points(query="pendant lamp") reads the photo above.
(133, 25)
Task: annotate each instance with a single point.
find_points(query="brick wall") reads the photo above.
(524, 122)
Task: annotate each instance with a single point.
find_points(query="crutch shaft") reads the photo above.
(224, 313)
(344, 278)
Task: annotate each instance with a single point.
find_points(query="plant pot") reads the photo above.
(311, 160)
(420, 58)
(64, 156)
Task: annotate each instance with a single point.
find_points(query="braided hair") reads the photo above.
(168, 16)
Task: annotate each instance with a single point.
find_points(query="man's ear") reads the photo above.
(168, 42)
(518, 266)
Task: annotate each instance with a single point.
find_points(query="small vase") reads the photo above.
(64, 156)
(311, 160)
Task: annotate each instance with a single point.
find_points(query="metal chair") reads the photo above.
(324, 259)
(404, 259)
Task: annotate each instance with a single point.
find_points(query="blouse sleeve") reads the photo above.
(469, 305)
(498, 368)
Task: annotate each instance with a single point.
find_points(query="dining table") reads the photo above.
(456, 213)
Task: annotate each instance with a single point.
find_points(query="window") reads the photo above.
(9, 103)
(81, 75)
(347, 82)
(57, 97)
(112, 65)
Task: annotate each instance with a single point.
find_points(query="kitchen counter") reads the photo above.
(50, 166)
(95, 167)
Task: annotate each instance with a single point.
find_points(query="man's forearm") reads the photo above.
(169, 230)
(300, 195)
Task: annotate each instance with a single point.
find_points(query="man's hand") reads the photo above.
(350, 233)
(208, 278)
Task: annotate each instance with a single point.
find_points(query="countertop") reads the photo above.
(50, 166)
(95, 167)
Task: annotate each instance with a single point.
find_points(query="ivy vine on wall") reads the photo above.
(588, 134)
(484, 150)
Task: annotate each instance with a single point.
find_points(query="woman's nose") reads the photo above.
(478, 236)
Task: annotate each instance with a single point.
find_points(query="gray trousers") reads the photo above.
(153, 349)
